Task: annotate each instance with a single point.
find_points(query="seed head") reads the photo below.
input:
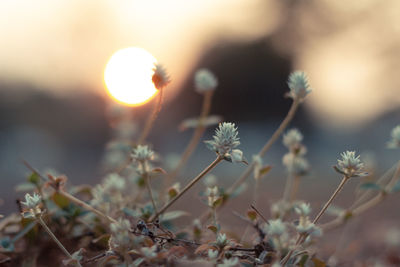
(160, 77)
(395, 141)
(142, 153)
(297, 165)
(303, 209)
(205, 80)
(225, 138)
(275, 227)
(292, 138)
(298, 84)
(31, 202)
(350, 165)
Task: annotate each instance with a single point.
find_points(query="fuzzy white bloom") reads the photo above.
(149, 252)
(298, 84)
(229, 262)
(237, 155)
(305, 226)
(297, 165)
(205, 80)
(395, 141)
(160, 77)
(121, 237)
(303, 209)
(292, 138)
(114, 182)
(142, 153)
(350, 165)
(225, 138)
(210, 180)
(275, 227)
(212, 254)
(222, 241)
(31, 202)
(212, 195)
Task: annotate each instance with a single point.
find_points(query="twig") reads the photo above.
(150, 121)
(192, 183)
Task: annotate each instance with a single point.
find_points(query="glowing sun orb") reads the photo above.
(128, 76)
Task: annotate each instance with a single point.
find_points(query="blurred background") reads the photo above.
(54, 106)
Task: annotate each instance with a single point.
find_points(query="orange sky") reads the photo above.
(57, 45)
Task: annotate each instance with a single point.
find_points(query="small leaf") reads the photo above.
(34, 178)
(212, 228)
(60, 200)
(25, 187)
(370, 186)
(217, 202)
(318, 263)
(159, 170)
(252, 215)
(168, 216)
(264, 170)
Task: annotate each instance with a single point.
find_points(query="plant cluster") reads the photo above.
(126, 221)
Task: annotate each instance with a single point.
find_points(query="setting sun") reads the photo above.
(128, 76)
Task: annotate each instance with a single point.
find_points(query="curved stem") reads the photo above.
(267, 146)
(187, 187)
(150, 121)
(295, 188)
(86, 206)
(147, 182)
(195, 139)
(338, 189)
(47, 229)
(303, 237)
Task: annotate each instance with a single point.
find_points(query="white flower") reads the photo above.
(205, 80)
(222, 241)
(149, 252)
(295, 164)
(160, 77)
(275, 227)
(210, 180)
(142, 153)
(303, 209)
(298, 84)
(212, 254)
(395, 141)
(237, 155)
(225, 138)
(292, 139)
(114, 182)
(350, 165)
(31, 202)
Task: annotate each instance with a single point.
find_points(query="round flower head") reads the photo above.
(395, 141)
(275, 227)
(205, 80)
(297, 165)
(31, 202)
(142, 153)
(350, 165)
(298, 84)
(292, 139)
(225, 138)
(160, 77)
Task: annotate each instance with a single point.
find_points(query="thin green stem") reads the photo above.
(187, 187)
(195, 139)
(338, 189)
(267, 146)
(86, 206)
(303, 237)
(47, 229)
(148, 186)
(151, 119)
